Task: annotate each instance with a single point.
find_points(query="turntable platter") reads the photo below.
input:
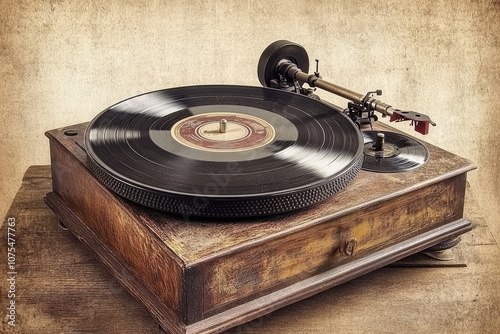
(223, 151)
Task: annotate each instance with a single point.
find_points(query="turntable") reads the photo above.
(214, 205)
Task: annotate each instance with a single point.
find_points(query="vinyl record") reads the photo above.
(399, 153)
(223, 151)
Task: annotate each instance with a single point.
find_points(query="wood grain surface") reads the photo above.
(198, 276)
(61, 288)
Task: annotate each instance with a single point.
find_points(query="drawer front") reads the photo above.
(233, 279)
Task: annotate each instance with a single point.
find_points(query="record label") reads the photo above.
(223, 132)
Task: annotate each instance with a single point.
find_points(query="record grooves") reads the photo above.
(399, 153)
(224, 151)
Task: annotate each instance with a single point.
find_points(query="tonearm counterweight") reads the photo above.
(284, 65)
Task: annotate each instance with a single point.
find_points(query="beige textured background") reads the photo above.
(62, 62)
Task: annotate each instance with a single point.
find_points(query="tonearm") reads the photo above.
(285, 64)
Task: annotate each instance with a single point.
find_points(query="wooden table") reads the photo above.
(60, 287)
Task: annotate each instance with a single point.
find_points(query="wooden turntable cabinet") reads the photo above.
(206, 276)
(201, 275)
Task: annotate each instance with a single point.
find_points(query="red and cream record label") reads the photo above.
(223, 132)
